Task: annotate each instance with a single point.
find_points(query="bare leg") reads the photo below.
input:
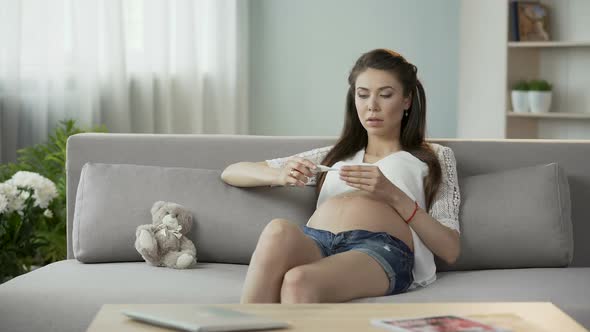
(281, 246)
(338, 278)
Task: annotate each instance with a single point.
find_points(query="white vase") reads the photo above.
(540, 101)
(520, 101)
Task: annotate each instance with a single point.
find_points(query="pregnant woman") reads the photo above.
(389, 203)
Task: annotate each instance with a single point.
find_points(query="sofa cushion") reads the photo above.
(113, 199)
(515, 219)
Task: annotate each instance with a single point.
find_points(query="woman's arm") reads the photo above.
(441, 240)
(251, 174)
(272, 172)
(439, 229)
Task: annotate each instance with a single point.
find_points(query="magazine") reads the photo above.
(446, 323)
(509, 321)
(470, 323)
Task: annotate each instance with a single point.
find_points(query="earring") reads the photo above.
(406, 113)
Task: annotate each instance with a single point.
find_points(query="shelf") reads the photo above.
(548, 44)
(550, 115)
(494, 61)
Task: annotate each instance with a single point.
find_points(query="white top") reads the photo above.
(401, 168)
(407, 172)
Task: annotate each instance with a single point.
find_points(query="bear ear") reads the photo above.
(157, 205)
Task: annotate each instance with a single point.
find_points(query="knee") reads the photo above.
(299, 287)
(278, 226)
(276, 241)
(278, 232)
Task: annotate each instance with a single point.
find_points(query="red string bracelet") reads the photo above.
(413, 213)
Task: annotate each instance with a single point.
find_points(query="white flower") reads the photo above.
(14, 199)
(3, 203)
(48, 213)
(44, 190)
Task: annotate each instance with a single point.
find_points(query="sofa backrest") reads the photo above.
(215, 152)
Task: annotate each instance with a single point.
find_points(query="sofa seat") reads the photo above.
(567, 288)
(67, 294)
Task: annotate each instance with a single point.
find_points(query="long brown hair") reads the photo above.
(354, 135)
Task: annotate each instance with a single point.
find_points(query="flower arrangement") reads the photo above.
(24, 202)
(37, 235)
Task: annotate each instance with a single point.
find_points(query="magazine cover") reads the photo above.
(508, 321)
(447, 323)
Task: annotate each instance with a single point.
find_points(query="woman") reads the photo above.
(371, 234)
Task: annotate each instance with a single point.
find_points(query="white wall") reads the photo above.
(482, 71)
(302, 51)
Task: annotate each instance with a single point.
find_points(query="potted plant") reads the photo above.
(520, 97)
(539, 96)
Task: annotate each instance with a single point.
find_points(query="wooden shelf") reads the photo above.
(548, 44)
(550, 115)
(493, 62)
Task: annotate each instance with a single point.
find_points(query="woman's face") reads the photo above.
(379, 95)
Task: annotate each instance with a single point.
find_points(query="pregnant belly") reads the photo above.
(359, 210)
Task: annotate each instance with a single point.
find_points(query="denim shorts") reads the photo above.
(391, 253)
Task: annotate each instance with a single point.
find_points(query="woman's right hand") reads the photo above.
(296, 172)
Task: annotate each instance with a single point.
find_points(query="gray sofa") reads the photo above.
(513, 250)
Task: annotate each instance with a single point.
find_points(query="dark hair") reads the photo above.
(354, 135)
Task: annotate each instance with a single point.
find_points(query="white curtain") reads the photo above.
(157, 66)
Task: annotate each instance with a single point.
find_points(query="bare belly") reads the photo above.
(358, 210)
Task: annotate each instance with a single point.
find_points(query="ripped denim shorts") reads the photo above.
(391, 253)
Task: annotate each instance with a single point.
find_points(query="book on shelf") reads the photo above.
(514, 21)
(529, 21)
(500, 322)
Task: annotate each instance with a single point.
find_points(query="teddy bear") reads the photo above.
(164, 241)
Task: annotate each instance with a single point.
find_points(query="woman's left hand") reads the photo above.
(370, 179)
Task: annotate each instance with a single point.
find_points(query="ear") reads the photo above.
(408, 101)
(157, 205)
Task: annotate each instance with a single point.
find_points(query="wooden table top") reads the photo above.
(520, 316)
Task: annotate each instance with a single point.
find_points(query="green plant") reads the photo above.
(24, 203)
(520, 86)
(539, 85)
(48, 160)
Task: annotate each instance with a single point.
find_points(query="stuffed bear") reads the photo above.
(164, 241)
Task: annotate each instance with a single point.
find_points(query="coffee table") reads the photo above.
(536, 316)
